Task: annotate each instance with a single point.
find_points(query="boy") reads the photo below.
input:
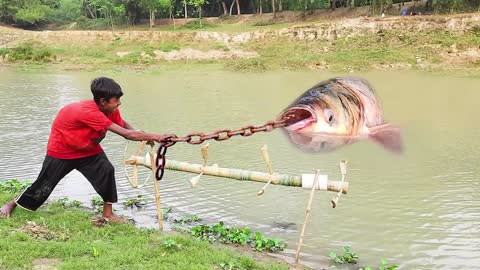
(74, 143)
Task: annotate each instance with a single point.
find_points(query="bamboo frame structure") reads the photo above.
(239, 174)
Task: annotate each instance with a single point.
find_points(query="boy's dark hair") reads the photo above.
(106, 88)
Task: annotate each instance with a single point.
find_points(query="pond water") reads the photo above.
(420, 210)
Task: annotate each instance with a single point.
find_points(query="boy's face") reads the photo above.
(109, 106)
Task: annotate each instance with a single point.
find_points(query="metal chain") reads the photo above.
(219, 135)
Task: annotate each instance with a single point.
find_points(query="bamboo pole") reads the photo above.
(343, 171)
(157, 190)
(266, 158)
(135, 167)
(238, 174)
(307, 215)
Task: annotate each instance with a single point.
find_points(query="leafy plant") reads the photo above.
(383, 266)
(165, 212)
(170, 244)
(13, 186)
(28, 52)
(95, 252)
(138, 202)
(475, 30)
(187, 219)
(65, 202)
(229, 266)
(264, 23)
(218, 232)
(168, 47)
(197, 24)
(262, 243)
(347, 257)
(97, 203)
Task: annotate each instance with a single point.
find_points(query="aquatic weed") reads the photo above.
(13, 186)
(219, 232)
(138, 202)
(347, 257)
(383, 266)
(187, 219)
(66, 203)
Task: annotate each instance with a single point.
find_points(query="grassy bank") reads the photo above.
(61, 236)
(400, 46)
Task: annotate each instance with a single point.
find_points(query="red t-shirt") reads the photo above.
(78, 129)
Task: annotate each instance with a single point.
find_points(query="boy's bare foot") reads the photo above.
(109, 216)
(115, 219)
(7, 209)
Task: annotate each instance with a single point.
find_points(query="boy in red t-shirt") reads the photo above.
(74, 143)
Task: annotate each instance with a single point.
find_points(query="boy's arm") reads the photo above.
(127, 125)
(136, 135)
(130, 127)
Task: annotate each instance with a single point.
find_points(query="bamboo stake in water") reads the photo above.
(307, 215)
(266, 158)
(157, 190)
(343, 171)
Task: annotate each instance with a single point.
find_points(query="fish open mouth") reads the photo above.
(297, 118)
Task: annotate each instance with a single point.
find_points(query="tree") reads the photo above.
(224, 6)
(273, 8)
(198, 5)
(66, 11)
(238, 7)
(108, 9)
(154, 6)
(8, 9)
(132, 8)
(31, 12)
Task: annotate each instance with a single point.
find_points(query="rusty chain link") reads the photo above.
(198, 138)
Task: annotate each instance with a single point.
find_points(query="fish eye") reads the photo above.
(329, 116)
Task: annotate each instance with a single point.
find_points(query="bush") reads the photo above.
(264, 23)
(85, 23)
(475, 30)
(28, 52)
(197, 24)
(249, 64)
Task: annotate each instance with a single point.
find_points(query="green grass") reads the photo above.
(77, 244)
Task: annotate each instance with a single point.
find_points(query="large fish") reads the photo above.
(337, 112)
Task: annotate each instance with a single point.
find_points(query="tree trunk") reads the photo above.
(333, 4)
(280, 6)
(273, 8)
(172, 17)
(224, 6)
(152, 19)
(92, 15)
(132, 16)
(185, 4)
(231, 7)
(200, 15)
(238, 6)
(261, 9)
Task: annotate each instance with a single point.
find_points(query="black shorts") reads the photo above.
(98, 170)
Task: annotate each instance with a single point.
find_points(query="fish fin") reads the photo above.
(388, 136)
